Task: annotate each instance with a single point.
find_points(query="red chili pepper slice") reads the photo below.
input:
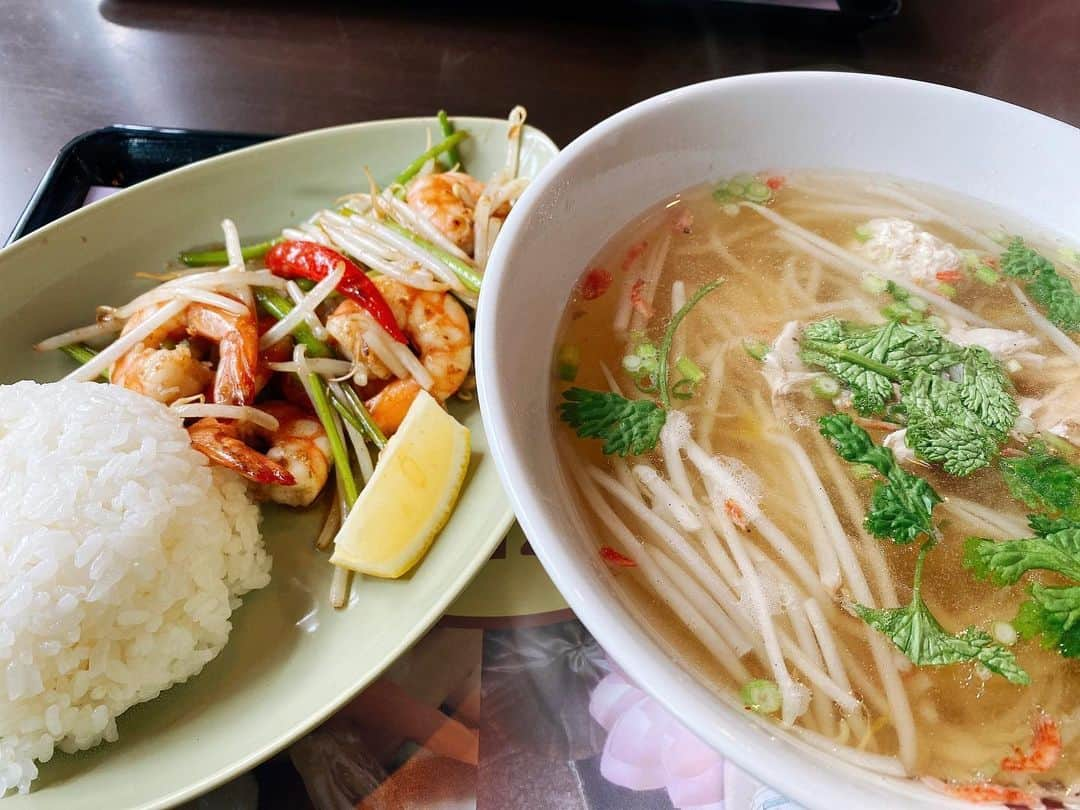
(612, 557)
(775, 182)
(594, 284)
(950, 275)
(295, 259)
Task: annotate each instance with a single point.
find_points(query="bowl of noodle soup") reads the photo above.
(665, 363)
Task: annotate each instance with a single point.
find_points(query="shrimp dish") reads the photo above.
(294, 361)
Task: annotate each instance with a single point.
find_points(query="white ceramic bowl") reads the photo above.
(988, 149)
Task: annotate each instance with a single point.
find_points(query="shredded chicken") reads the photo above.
(901, 246)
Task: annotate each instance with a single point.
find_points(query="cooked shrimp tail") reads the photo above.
(219, 441)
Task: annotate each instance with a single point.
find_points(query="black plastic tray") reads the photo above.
(118, 156)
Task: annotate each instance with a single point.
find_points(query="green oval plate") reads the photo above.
(292, 660)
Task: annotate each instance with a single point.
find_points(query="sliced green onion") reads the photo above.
(987, 275)
(761, 696)
(917, 304)
(82, 354)
(683, 389)
(757, 192)
(410, 171)
(731, 209)
(863, 233)
(756, 348)
(353, 411)
(915, 317)
(317, 386)
(631, 363)
(216, 258)
(452, 153)
(689, 369)
(645, 383)
(669, 335)
(278, 306)
(875, 285)
(735, 188)
(862, 471)
(825, 388)
(465, 272)
(945, 289)
(743, 179)
(720, 194)
(646, 350)
(567, 361)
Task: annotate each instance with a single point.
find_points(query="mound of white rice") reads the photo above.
(122, 557)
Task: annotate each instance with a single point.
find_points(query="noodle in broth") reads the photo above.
(740, 536)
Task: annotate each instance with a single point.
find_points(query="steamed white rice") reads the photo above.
(122, 557)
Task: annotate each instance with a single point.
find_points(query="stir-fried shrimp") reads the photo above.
(297, 461)
(221, 441)
(448, 200)
(154, 369)
(300, 446)
(435, 323)
(167, 372)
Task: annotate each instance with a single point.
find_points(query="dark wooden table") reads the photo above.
(71, 65)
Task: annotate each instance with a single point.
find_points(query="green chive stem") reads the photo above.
(452, 153)
(219, 258)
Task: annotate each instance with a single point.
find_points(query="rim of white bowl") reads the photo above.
(750, 745)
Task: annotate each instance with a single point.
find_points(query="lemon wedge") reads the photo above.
(409, 497)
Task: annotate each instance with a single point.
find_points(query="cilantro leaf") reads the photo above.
(1054, 614)
(956, 400)
(960, 421)
(1044, 481)
(918, 635)
(627, 426)
(1020, 261)
(1047, 288)
(1003, 563)
(901, 506)
(869, 359)
(1042, 525)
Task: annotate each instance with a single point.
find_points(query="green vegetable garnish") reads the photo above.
(83, 354)
(1003, 563)
(1052, 613)
(628, 427)
(319, 399)
(466, 273)
(410, 171)
(1050, 484)
(956, 399)
(901, 506)
(919, 636)
(1047, 288)
(452, 154)
(761, 696)
(278, 306)
(689, 369)
(567, 361)
(631, 426)
(901, 510)
(1044, 481)
(216, 258)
